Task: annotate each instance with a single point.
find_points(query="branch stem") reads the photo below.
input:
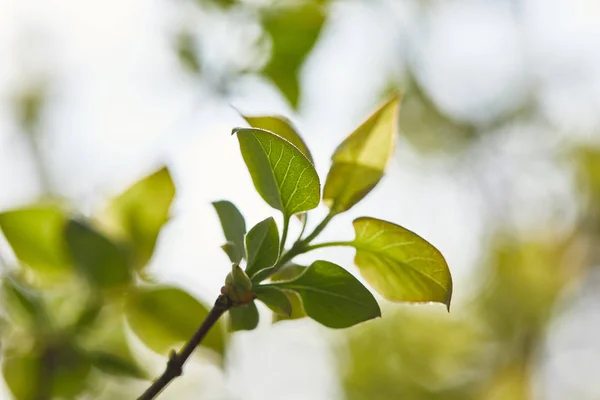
(177, 360)
(319, 228)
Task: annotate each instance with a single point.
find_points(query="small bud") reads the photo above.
(240, 279)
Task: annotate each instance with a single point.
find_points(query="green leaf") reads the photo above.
(262, 245)
(138, 214)
(114, 364)
(282, 175)
(234, 227)
(360, 160)
(103, 263)
(164, 317)
(283, 127)
(399, 264)
(289, 272)
(29, 377)
(294, 30)
(332, 296)
(36, 236)
(23, 305)
(275, 299)
(243, 318)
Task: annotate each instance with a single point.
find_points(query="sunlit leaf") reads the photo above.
(262, 245)
(282, 127)
(332, 296)
(399, 264)
(165, 317)
(275, 299)
(36, 236)
(294, 30)
(114, 364)
(361, 159)
(138, 214)
(103, 263)
(21, 374)
(282, 175)
(243, 318)
(234, 228)
(287, 273)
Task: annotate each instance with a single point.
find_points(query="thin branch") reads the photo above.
(176, 361)
(319, 227)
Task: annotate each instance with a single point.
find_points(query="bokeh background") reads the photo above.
(497, 164)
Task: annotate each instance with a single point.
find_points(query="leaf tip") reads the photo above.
(236, 130)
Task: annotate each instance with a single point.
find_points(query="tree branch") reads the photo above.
(176, 361)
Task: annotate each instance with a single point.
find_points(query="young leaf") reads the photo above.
(165, 317)
(289, 272)
(332, 296)
(262, 245)
(99, 260)
(283, 127)
(243, 318)
(116, 365)
(140, 212)
(294, 30)
(275, 299)
(36, 236)
(361, 159)
(234, 228)
(399, 264)
(281, 174)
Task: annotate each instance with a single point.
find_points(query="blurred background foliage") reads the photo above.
(79, 305)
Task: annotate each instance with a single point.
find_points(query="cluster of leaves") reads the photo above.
(397, 263)
(81, 282)
(78, 286)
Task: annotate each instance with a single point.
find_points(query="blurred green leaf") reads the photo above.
(289, 272)
(282, 175)
(24, 305)
(58, 371)
(275, 299)
(332, 296)
(399, 264)
(185, 46)
(103, 263)
(294, 30)
(283, 127)
(262, 245)
(243, 318)
(234, 228)
(138, 214)
(114, 364)
(164, 317)
(361, 159)
(36, 236)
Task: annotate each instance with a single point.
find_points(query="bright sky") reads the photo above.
(120, 104)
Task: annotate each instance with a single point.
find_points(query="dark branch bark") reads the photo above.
(176, 361)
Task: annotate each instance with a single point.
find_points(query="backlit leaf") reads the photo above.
(283, 127)
(332, 296)
(242, 318)
(36, 236)
(138, 214)
(262, 245)
(24, 306)
(287, 273)
(234, 228)
(103, 263)
(294, 30)
(360, 160)
(399, 264)
(114, 364)
(164, 317)
(281, 174)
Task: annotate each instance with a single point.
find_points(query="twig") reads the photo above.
(176, 361)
